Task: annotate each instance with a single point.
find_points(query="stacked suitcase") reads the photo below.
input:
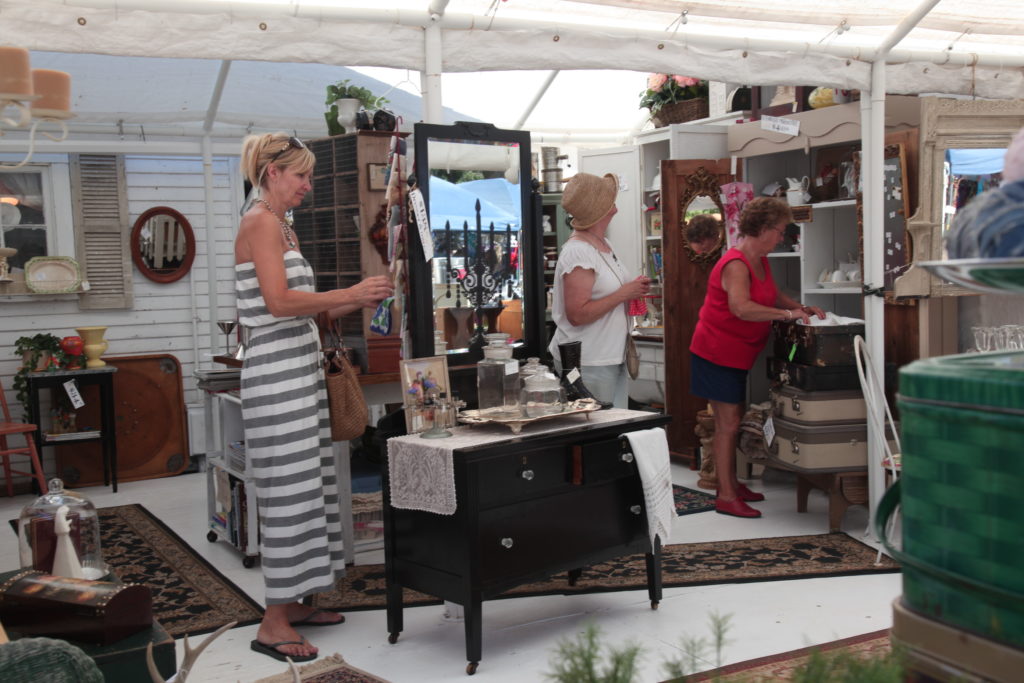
(819, 415)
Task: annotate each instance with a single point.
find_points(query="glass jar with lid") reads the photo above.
(42, 536)
(497, 379)
(542, 395)
(531, 367)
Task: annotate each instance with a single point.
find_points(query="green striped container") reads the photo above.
(962, 491)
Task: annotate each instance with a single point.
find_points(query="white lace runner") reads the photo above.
(422, 473)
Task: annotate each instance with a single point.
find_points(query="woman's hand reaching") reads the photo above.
(371, 291)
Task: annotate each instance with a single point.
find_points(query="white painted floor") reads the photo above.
(520, 635)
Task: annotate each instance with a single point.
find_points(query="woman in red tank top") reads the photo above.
(734, 324)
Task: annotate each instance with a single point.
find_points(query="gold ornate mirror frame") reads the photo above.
(701, 183)
(949, 124)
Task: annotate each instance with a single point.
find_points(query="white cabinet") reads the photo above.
(230, 493)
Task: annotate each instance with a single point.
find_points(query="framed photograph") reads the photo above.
(655, 223)
(376, 176)
(422, 378)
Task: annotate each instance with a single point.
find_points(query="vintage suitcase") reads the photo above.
(962, 422)
(812, 377)
(822, 448)
(38, 604)
(822, 346)
(833, 407)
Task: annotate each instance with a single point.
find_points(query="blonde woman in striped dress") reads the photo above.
(284, 404)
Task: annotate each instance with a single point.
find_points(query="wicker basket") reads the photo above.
(681, 112)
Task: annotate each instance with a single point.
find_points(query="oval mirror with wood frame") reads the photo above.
(163, 245)
(700, 218)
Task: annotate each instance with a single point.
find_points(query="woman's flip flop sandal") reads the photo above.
(272, 651)
(310, 619)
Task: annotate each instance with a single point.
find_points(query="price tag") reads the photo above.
(780, 125)
(422, 223)
(72, 391)
(512, 367)
(769, 431)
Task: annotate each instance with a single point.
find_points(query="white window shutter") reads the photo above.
(101, 229)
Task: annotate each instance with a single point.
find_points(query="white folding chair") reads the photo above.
(874, 394)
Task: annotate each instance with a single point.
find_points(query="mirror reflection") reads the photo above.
(703, 229)
(475, 211)
(162, 244)
(966, 173)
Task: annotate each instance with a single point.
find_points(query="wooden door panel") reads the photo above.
(685, 284)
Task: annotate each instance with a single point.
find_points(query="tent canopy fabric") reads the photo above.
(959, 46)
(455, 204)
(976, 161)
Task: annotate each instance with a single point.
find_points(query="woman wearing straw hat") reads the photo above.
(591, 292)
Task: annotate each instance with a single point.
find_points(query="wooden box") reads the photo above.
(102, 612)
(383, 353)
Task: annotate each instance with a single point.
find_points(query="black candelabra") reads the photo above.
(482, 281)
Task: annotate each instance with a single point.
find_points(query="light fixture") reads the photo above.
(36, 96)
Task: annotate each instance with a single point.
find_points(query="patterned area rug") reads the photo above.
(780, 667)
(189, 595)
(333, 669)
(689, 501)
(685, 564)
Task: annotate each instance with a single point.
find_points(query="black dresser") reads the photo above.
(528, 506)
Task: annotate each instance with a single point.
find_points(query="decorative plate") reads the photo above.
(988, 275)
(516, 424)
(52, 275)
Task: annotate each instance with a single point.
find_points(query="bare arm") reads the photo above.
(260, 241)
(578, 288)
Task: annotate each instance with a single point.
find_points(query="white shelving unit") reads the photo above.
(221, 460)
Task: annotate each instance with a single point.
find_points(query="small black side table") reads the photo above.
(104, 378)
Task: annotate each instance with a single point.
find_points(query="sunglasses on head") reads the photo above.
(293, 143)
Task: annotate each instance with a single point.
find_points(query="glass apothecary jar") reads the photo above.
(542, 395)
(497, 379)
(531, 367)
(40, 537)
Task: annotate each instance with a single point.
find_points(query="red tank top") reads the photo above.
(721, 337)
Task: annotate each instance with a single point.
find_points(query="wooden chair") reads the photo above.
(10, 428)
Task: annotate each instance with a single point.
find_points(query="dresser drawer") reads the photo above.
(555, 531)
(606, 459)
(520, 476)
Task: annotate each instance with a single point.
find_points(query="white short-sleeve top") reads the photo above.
(604, 340)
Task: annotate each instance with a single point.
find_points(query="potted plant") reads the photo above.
(674, 99)
(343, 102)
(38, 353)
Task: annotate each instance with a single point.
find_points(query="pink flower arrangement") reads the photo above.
(664, 89)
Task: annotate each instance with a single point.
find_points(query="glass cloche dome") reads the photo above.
(59, 534)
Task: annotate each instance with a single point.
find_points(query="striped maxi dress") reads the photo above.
(288, 441)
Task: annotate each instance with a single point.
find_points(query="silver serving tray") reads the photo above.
(516, 424)
(988, 275)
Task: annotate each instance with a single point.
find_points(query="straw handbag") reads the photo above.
(345, 399)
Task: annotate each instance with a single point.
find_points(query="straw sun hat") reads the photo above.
(588, 198)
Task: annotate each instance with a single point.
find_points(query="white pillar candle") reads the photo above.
(15, 75)
(53, 88)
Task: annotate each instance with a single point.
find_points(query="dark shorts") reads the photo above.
(717, 382)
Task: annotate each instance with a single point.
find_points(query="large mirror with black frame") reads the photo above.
(485, 274)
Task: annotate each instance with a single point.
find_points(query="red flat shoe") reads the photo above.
(736, 508)
(747, 495)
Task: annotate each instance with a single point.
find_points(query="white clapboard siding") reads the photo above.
(160, 318)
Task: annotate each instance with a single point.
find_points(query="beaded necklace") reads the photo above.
(289, 234)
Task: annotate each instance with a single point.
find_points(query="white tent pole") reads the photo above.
(536, 99)
(564, 26)
(874, 242)
(211, 228)
(430, 77)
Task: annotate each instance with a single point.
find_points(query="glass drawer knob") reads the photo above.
(506, 542)
(636, 509)
(527, 475)
(627, 457)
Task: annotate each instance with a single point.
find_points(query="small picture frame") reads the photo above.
(655, 223)
(421, 378)
(376, 176)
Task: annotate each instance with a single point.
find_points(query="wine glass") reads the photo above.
(227, 327)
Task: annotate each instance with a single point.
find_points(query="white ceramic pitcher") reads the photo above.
(797, 192)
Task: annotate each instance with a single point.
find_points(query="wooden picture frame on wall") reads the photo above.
(376, 177)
